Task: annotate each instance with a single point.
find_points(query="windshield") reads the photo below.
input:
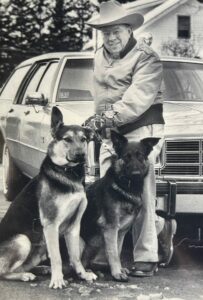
(183, 81)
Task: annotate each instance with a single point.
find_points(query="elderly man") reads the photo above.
(128, 77)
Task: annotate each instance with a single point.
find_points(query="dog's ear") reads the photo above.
(119, 141)
(56, 120)
(89, 133)
(149, 143)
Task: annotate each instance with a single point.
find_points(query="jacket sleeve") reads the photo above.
(140, 95)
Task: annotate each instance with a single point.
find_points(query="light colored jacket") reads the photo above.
(130, 84)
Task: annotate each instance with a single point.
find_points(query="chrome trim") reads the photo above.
(173, 148)
(26, 145)
(57, 55)
(179, 177)
(57, 82)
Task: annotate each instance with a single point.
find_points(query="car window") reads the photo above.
(45, 85)
(183, 81)
(76, 81)
(34, 82)
(10, 89)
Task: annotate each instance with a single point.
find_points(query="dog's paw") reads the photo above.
(121, 277)
(57, 282)
(88, 276)
(28, 277)
(45, 270)
(125, 271)
(42, 270)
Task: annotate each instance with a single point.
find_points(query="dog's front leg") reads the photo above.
(121, 236)
(51, 233)
(72, 238)
(111, 246)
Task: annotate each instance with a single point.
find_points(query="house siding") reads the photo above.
(165, 28)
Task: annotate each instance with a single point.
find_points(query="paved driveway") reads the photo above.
(183, 279)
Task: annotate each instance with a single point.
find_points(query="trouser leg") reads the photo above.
(106, 152)
(144, 227)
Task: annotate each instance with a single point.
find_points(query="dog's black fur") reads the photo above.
(114, 201)
(52, 204)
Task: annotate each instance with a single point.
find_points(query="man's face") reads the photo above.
(116, 37)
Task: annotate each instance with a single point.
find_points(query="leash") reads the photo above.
(96, 124)
(99, 139)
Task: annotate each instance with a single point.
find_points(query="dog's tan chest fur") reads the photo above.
(65, 206)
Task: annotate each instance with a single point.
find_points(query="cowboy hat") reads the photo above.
(113, 13)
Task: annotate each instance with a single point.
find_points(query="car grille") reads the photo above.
(182, 157)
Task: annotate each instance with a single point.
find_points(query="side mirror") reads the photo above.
(36, 98)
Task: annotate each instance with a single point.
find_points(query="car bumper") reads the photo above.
(179, 197)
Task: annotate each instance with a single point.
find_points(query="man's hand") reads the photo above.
(108, 116)
(98, 122)
(95, 122)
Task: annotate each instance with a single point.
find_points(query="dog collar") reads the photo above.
(71, 169)
(77, 171)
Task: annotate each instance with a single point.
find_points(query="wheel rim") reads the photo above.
(5, 165)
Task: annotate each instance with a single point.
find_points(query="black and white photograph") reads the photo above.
(101, 149)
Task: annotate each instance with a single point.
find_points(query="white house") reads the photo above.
(168, 20)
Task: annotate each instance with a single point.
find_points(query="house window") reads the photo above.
(184, 27)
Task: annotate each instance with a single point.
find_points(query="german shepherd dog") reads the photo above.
(114, 201)
(52, 204)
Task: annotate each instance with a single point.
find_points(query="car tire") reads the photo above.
(13, 180)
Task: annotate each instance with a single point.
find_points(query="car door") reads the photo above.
(74, 95)
(41, 81)
(12, 112)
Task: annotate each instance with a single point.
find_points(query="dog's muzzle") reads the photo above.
(78, 158)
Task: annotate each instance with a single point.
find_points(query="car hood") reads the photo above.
(76, 112)
(183, 119)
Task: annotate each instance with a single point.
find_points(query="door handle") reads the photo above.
(26, 112)
(11, 110)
